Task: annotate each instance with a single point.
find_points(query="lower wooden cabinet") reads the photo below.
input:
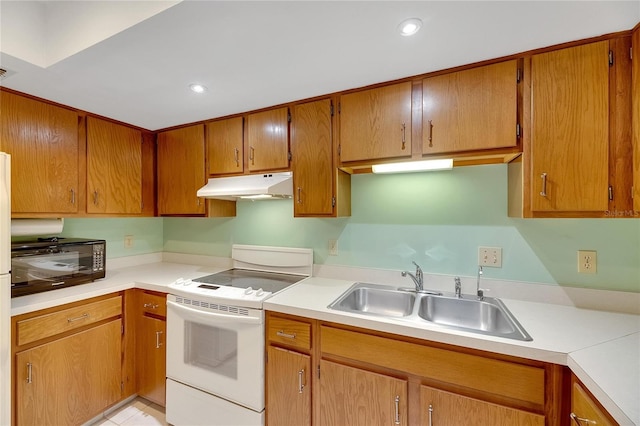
(585, 410)
(151, 354)
(440, 408)
(356, 397)
(73, 373)
(289, 387)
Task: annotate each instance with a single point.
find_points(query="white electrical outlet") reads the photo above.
(333, 247)
(128, 241)
(490, 256)
(587, 262)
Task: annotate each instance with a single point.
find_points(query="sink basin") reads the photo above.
(376, 301)
(488, 316)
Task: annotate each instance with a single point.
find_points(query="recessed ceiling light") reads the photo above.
(410, 26)
(198, 88)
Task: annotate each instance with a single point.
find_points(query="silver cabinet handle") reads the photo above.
(95, 198)
(150, 305)
(582, 421)
(281, 333)
(404, 135)
(397, 404)
(236, 156)
(430, 133)
(81, 317)
(300, 382)
(430, 415)
(198, 202)
(299, 195)
(73, 196)
(158, 343)
(252, 153)
(544, 184)
(29, 371)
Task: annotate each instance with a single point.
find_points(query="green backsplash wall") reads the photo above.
(437, 219)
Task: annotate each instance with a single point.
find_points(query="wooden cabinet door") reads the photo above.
(376, 124)
(439, 408)
(181, 171)
(114, 168)
(268, 140)
(43, 142)
(355, 397)
(224, 146)
(70, 380)
(635, 99)
(585, 410)
(288, 387)
(312, 159)
(470, 110)
(151, 358)
(570, 129)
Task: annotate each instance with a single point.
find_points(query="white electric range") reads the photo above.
(215, 336)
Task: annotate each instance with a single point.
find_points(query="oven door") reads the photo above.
(219, 353)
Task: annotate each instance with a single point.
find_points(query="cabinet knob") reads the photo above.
(544, 184)
(430, 133)
(300, 380)
(396, 401)
(404, 135)
(580, 421)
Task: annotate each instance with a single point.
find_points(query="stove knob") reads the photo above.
(187, 282)
(248, 291)
(259, 292)
(179, 281)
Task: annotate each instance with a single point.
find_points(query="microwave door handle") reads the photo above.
(196, 314)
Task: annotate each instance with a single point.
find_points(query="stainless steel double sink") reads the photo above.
(487, 316)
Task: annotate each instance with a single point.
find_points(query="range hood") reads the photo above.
(263, 186)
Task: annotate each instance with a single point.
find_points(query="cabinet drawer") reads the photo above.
(289, 332)
(586, 410)
(40, 327)
(155, 304)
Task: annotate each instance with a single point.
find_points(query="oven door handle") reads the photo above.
(198, 314)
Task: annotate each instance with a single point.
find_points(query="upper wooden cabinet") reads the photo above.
(312, 159)
(376, 123)
(470, 110)
(570, 129)
(43, 142)
(225, 146)
(635, 90)
(268, 140)
(181, 171)
(114, 168)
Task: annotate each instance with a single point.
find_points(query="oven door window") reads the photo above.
(211, 348)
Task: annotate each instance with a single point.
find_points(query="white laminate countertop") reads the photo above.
(601, 348)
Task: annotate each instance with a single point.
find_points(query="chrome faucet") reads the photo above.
(418, 278)
(458, 287)
(479, 291)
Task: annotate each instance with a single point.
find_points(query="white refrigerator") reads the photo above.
(5, 289)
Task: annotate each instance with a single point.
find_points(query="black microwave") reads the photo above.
(49, 264)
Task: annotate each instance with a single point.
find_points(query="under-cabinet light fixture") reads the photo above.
(414, 166)
(409, 27)
(257, 197)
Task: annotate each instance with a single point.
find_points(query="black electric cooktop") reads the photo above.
(271, 282)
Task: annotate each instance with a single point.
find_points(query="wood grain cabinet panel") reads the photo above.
(181, 171)
(151, 336)
(355, 397)
(70, 380)
(376, 124)
(470, 110)
(288, 388)
(635, 99)
(114, 168)
(585, 410)
(44, 146)
(440, 408)
(225, 151)
(268, 140)
(312, 159)
(289, 332)
(570, 129)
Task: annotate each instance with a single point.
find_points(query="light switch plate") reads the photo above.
(490, 256)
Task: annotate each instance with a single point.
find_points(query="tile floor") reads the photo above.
(138, 412)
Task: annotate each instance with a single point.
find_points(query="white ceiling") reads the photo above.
(133, 60)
